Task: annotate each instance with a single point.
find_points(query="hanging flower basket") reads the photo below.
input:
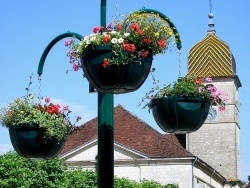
(117, 58)
(179, 114)
(28, 141)
(115, 78)
(37, 129)
(183, 107)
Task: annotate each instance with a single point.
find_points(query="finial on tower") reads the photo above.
(210, 16)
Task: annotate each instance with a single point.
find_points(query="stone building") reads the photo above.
(140, 152)
(207, 158)
(218, 141)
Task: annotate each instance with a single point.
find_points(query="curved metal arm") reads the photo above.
(51, 44)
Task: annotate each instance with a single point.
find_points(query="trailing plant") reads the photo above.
(189, 86)
(52, 118)
(138, 35)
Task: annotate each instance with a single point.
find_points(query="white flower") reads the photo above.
(113, 32)
(120, 40)
(126, 34)
(114, 40)
(92, 38)
(86, 38)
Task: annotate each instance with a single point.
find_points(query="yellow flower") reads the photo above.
(170, 32)
(156, 34)
(21, 112)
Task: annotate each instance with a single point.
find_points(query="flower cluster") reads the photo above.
(189, 86)
(138, 36)
(50, 117)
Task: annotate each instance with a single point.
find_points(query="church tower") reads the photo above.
(218, 141)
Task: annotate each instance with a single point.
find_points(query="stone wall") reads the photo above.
(179, 174)
(218, 141)
(183, 171)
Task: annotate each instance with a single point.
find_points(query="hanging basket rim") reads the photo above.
(158, 100)
(28, 142)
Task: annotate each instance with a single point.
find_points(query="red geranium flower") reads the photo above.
(146, 40)
(143, 53)
(129, 47)
(118, 27)
(140, 32)
(96, 29)
(134, 26)
(162, 43)
(198, 81)
(106, 39)
(105, 63)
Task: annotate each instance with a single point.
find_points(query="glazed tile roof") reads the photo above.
(131, 132)
(211, 57)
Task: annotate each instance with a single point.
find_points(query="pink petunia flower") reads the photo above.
(78, 118)
(76, 66)
(47, 99)
(65, 108)
(68, 42)
(208, 79)
(221, 108)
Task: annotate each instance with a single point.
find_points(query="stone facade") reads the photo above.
(187, 172)
(218, 141)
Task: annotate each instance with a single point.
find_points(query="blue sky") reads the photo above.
(26, 27)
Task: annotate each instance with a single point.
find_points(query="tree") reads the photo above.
(17, 172)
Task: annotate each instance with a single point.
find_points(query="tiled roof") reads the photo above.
(211, 57)
(179, 139)
(131, 132)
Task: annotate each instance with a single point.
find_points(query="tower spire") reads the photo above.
(210, 16)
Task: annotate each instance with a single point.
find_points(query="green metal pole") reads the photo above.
(105, 162)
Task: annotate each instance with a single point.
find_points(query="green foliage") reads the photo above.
(125, 183)
(79, 178)
(185, 87)
(22, 173)
(171, 185)
(138, 35)
(189, 86)
(232, 181)
(150, 184)
(49, 117)
(17, 172)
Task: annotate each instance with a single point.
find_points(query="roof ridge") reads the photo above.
(129, 132)
(141, 120)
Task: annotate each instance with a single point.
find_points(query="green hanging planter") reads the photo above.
(28, 141)
(114, 79)
(178, 114)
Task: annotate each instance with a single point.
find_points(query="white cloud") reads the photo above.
(5, 148)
